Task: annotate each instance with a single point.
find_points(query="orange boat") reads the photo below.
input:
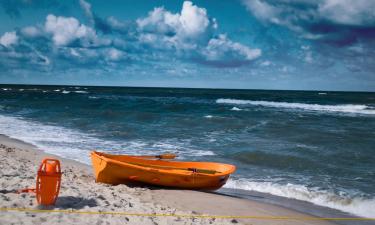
(119, 169)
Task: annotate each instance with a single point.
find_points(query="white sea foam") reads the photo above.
(76, 145)
(65, 92)
(358, 206)
(236, 109)
(208, 116)
(347, 108)
(81, 92)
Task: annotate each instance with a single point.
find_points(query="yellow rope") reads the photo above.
(178, 215)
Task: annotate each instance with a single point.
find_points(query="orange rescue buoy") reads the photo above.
(48, 182)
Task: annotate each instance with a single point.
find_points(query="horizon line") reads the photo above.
(181, 87)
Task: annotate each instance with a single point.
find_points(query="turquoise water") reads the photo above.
(313, 146)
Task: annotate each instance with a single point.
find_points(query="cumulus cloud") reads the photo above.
(189, 36)
(221, 48)
(347, 12)
(339, 21)
(31, 31)
(62, 42)
(192, 23)
(193, 20)
(65, 30)
(8, 39)
(159, 21)
(292, 12)
(192, 33)
(263, 11)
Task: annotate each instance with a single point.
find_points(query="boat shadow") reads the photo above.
(135, 184)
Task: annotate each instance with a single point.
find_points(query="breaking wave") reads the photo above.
(355, 205)
(76, 145)
(347, 108)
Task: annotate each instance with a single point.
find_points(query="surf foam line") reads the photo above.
(76, 145)
(347, 108)
(356, 205)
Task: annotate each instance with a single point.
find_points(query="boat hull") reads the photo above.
(112, 171)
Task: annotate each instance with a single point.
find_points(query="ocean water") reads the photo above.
(313, 146)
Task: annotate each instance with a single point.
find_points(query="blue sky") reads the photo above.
(256, 44)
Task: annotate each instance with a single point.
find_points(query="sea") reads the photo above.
(313, 146)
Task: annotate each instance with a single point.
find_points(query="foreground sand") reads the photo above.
(80, 192)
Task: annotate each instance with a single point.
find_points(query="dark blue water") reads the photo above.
(313, 146)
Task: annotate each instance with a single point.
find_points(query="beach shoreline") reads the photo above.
(80, 192)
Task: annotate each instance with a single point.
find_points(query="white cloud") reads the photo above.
(114, 54)
(81, 55)
(159, 21)
(193, 20)
(282, 12)
(8, 39)
(222, 48)
(191, 32)
(348, 12)
(191, 23)
(31, 31)
(86, 7)
(187, 35)
(116, 24)
(295, 14)
(265, 63)
(65, 30)
(262, 10)
(74, 52)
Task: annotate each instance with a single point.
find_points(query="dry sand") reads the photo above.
(80, 192)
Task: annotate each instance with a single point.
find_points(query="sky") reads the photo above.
(247, 44)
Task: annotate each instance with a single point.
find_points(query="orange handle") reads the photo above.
(53, 167)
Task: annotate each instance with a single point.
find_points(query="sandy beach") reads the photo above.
(80, 192)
